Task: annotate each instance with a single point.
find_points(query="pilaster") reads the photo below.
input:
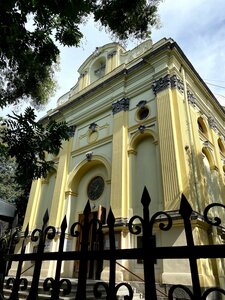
(181, 140)
(32, 206)
(57, 210)
(111, 64)
(119, 159)
(167, 144)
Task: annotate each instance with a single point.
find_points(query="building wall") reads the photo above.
(145, 119)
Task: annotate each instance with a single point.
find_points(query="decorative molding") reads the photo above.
(93, 127)
(168, 82)
(72, 129)
(206, 144)
(141, 128)
(132, 152)
(177, 83)
(92, 137)
(108, 181)
(89, 155)
(161, 84)
(212, 122)
(70, 193)
(121, 105)
(191, 98)
(83, 73)
(97, 52)
(111, 54)
(214, 168)
(141, 104)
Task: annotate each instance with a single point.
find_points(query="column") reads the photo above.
(32, 206)
(57, 210)
(167, 143)
(119, 158)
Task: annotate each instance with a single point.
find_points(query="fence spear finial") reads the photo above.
(185, 208)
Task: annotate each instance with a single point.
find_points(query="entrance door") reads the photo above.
(95, 243)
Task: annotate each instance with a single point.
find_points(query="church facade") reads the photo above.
(140, 118)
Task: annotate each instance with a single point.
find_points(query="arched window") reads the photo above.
(201, 125)
(221, 146)
(98, 69)
(209, 157)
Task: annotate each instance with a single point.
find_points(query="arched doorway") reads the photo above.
(89, 181)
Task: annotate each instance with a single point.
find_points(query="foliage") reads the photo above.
(29, 30)
(29, 141)
(23, 154)
(10, 190)
(125, 18)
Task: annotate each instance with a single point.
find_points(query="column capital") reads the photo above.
(168, 81)
(212, 122)
(191, 98)
(121, 105)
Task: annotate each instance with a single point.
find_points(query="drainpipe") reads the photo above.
(191, 139)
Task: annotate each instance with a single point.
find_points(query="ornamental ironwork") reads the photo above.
(148, 253)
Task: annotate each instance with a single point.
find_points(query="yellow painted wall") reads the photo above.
(168, 156)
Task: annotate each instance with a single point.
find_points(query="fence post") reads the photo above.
(56, 283)
(111, 295)
(46, 232)
(17, 281)
(186, 211)
(148, 245)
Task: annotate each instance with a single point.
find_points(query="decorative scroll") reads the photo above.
(141, 104)
(168, 82)
(215, 221)
(121, 105)
(18, 283)
(212, 122)
(161, 84)
(191, 98)
(177, 83)
(149, 252)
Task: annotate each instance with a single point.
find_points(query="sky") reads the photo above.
(197, 26)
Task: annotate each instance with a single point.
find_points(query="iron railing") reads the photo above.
(148, 253)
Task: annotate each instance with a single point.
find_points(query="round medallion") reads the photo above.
(95, 188)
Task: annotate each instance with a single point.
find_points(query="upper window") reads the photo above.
(221, 146)
(201, 125)
(142, 111)
(98, 69)
(209, 157)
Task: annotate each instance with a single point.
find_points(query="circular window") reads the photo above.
(95, 188)
(143, 113)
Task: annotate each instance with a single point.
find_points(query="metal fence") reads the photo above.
(148, 253)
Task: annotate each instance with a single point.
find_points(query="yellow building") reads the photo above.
(142, 117)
